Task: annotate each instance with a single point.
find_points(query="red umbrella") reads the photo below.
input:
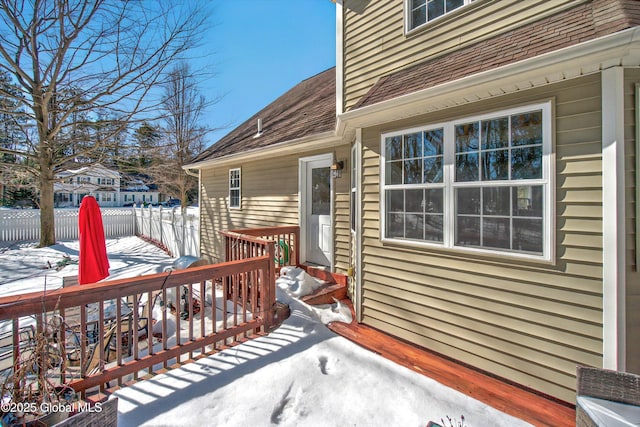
(94, 264)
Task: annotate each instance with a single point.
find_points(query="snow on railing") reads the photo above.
(24, 224)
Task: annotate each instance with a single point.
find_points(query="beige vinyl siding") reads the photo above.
(632, 77)
(342, 233)
(527, 321)
(269, 190)
(375, 42)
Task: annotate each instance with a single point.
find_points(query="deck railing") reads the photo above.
(111, 332)
(241, 243)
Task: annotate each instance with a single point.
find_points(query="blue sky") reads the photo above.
(259, 49)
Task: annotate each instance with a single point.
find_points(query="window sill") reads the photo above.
(475, 253)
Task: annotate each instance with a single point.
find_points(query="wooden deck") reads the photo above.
(513, 400)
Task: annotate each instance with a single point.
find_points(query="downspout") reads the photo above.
(358, 226)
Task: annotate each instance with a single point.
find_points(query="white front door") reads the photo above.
(317, 227)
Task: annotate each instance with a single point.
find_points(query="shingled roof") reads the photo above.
(307, 109)
(581, 23)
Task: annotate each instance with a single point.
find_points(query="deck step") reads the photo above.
(335, 286)
(325, 275)
(325, 294)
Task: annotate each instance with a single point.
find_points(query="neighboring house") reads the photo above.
(488, 202)
(95, 180)
(137, 191)
(108, 186)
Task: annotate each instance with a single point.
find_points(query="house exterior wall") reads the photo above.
(376, 43)
(343, 258)
(528, 321)
(632, 80)
(269, 197)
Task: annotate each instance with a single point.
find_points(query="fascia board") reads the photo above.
(318, 141)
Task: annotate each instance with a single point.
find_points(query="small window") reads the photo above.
(234, 188)
(419, 12)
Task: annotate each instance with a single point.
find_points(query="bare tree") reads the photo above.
(183, 106)
(85, 69)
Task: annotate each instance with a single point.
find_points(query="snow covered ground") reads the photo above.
(301, 374)
(26, 268)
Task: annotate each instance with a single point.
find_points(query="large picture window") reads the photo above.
(480, 183)
(234, 188)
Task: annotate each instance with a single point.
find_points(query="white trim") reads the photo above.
(302, 205)
(358, 249)
(316, 142)
(239, 188)
(448, 185)
(339, 57)
(613, 220)
(200, 211)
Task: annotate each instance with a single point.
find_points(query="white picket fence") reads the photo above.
(24, 224)
(179, 233)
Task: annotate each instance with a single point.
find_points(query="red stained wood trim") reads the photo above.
(16, 306)
(292, 229)
(327, 276)
(508, 398)
(326, 294)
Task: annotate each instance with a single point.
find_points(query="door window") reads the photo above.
(321, 194)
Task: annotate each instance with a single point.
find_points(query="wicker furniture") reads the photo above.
(607, 398)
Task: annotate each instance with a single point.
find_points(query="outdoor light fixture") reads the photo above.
(336, 168)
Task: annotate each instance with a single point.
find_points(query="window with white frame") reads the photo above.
(481, 183)
(234, 188)
(420, 12)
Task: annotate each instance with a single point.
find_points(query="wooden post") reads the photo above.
(269, 300)
(296, 244)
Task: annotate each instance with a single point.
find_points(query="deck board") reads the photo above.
(511, 399)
